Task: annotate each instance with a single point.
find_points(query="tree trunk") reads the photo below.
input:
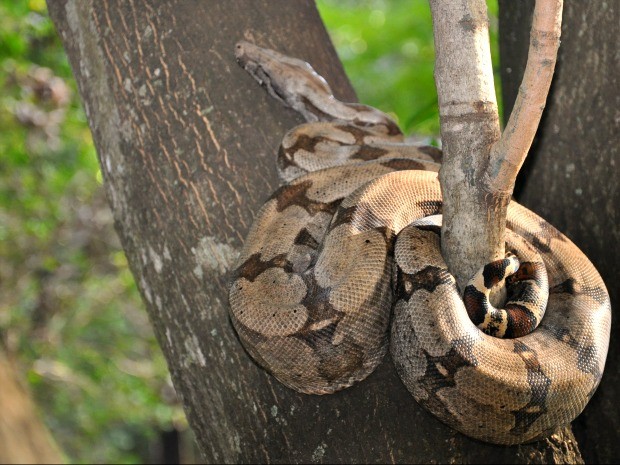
(23, 437)
(571, 176)
(187, 143)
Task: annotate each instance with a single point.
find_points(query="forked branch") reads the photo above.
(479, 165)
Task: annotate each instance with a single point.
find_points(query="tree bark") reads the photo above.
(23, 437)
(479, 167)
(469, 129)
(571, 176)
(187, 143)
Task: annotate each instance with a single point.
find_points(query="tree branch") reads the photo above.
(462, 42)
(479, 168)
(510, 151)
(469, 128)
(23, 436)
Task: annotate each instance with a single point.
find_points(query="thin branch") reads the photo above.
(510, 151)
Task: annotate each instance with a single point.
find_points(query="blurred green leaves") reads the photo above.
(387, 50)
(69, 308)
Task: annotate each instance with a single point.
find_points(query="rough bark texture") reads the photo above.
(187, 145)
(23, 437)
(469, 128)
(571, 176)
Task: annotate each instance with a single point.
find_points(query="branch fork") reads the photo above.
(480, 163)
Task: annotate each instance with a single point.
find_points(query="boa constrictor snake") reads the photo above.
(350, 243)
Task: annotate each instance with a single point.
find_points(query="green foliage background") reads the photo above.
(69, 310)
(387, 50)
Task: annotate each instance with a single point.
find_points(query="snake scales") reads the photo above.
(343, 262)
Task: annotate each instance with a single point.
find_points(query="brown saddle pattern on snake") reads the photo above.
(343, 262)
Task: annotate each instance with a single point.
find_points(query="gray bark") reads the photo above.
(187, 142)
(469, 128)
(479, 167)
(571, 175)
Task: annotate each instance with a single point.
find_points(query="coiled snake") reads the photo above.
(347, 252)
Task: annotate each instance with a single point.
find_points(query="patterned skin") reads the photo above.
(350, 246)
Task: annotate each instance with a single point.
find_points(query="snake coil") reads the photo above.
(347, 252)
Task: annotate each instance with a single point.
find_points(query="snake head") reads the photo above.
(291, 81)
(297, 85)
